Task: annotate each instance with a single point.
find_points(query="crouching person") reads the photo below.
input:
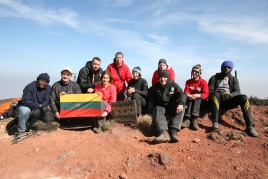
(166, 98)
(34, 102)
(64, 86)
(108, 92)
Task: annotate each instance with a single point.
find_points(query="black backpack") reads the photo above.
(11, 112)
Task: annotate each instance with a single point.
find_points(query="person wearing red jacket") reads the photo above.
(108, 92)
(121, 75)
(163, 65)
(196, 90)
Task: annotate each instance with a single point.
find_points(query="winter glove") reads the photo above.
(36, 112)
(225, 96)
(44, 109)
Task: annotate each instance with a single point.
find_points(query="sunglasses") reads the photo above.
(194, 71)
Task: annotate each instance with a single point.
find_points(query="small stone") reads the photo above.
(196, 140)
(123, 176)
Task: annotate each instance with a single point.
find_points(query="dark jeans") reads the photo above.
(140, 102)
(193, 108)
(160, 118)
(218, 103)
(99, 121)
(121, 96)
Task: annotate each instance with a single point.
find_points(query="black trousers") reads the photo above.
(99, 121)
(218, 103)
(193, 108)
(140, 102)
(160, 118)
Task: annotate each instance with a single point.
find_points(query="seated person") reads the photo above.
(163, 65)
(89, 75)
(137, 90)
(34, 102)
(224, 92)
(62, 87)
(166, 98)
(196, 90)
(108, 92)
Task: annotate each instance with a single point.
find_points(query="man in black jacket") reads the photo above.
(89, 75)
(224, 91)
(166, 98)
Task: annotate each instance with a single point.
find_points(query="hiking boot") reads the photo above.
(162, 138)
(215, 125)
(251, 131)
(97, 130)
(173, 135)
(195, 124)
(19, 134)
(185, 123)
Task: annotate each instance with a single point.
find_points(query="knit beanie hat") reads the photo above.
(44, 76)
(137, 69)
(162, 60)
(164, 73)
(198, 66)
(119, 54)
(227, 63)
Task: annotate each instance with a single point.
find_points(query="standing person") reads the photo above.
(137, 90)
(62, 87)
(108, 92)
(121, 75)
(225, 93)
(166, 98)
(34, 102)
(196, 90)
(163, 65)
(89, 75)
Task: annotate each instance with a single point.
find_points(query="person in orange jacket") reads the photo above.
(121, 75)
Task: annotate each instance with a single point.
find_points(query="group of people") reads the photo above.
(164, 98)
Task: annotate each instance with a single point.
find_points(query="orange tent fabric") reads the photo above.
(7, 105)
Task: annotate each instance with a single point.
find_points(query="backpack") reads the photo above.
(11, 112)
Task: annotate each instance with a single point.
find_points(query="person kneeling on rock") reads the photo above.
(166, 98)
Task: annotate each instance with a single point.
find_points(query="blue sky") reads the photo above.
(45, 35)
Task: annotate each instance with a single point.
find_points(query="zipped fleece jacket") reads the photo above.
(200, 86)
(58, 87)
(140, 85)
(215, 80)
(168, 97)
(33, 96)
(125, 74)
(157, 72)
(108, 95)
(86, 79)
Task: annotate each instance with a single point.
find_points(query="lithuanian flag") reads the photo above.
(80, 105)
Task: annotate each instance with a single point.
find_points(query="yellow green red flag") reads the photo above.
(80, 105)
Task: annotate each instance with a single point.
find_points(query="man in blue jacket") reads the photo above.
(34, 102)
